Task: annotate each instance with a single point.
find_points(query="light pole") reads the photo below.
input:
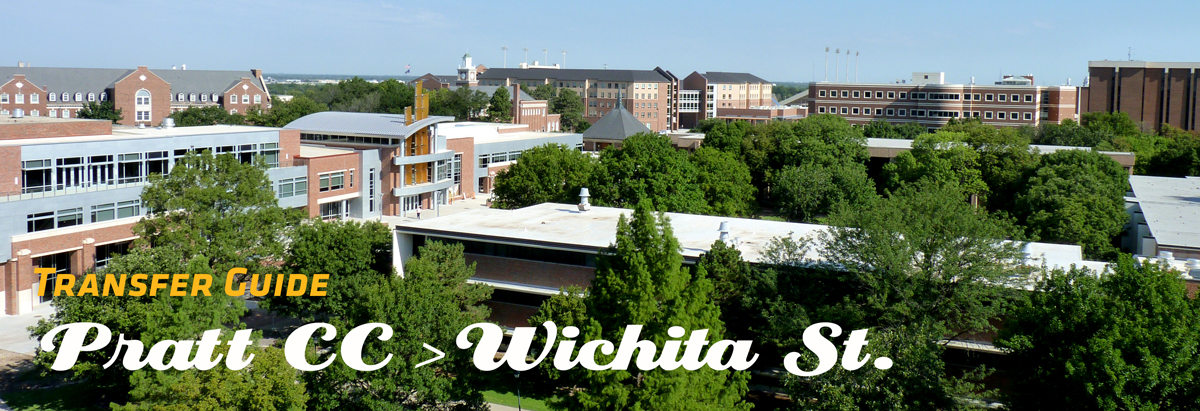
(856, 67)
(836, 60)
(827, 64)
(505, 48)
(545, 56)
(564, 59)
(847, 65)
(526, 55)
(517, 376)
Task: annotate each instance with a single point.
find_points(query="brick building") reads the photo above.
(928, 101)
(1152, 93)
(70, 189)
(144, 96)
(718, 92)
(650, 95)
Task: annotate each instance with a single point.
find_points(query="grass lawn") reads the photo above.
(510, 399)
(73, 397)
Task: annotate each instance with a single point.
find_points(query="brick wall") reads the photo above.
(125, 92)
(10, 169)
(466, 147)
(18, 85)
(348, 163)
(233, 97)
(17, 130)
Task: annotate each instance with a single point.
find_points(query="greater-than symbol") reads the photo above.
(439, 356)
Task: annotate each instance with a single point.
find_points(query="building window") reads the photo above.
(891, 112)
(1001, 97)
(1000, 115)
(66, 114)
(879, 112)
(143, 115)
(987, 97)
(204, 98)
(258, 99)
(20, 99)
(104, 96)
(34, 112)
(66, 97)
(975, 96)
(1029, 98)
(289, 187)
(4, 98)
(1029, 116)
(33, 98)
(1015, 98)
(902, 113)
(245, 99)
(371, 186)
(51, 220)
(1013, 116)
(845, 94)
(821, 93)
(903, 95)
(53, 112)
(78, 96)
(845, 110)
(105, 253)
(855, 93)
(987, 115)
(192, 97)
(332, 181)
(333, 210)
(216, 97)
(821, 109)
(91, 96)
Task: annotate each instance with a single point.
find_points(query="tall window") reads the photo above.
(52, 97)
(33, 98)
(91, 96)
(78, 96)
(142, 105)
(20, 99)
(66, 97)
(332, 181)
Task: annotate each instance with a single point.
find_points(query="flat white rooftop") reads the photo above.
(490, 132)
(1171, 207)
(309, 151)
(139, 133)
(562, 226)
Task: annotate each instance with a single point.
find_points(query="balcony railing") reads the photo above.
(51, 191)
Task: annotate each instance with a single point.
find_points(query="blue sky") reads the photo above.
(776, 40)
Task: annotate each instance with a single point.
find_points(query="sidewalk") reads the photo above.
(14, 335)
(494, 407)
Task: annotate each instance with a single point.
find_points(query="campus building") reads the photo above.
(721, 94)
(144, 96)
(70, 189)
(1152, 93)
(529, 254)
(928, 101)
(422, 162)
(1164, 218)
(650, 95)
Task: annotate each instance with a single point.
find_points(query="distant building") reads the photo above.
(612, 130)
(435, 81)
(731, 94)
(928, 101)
(144, 96)
(649, 95)
(1152, 93)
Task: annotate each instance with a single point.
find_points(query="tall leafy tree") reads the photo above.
(1126, 340)
(569, 105)
(725, 181)
(548, 173)
(428, 305)
(394, 96)
(103, 110)
(648, 167)
(641, 280)
(942, 157)
(206, 116)
(284, 112)
(1179, 156)
(342, 249)
(1076, 197)
(269, 384)
(500, 108)
(216, 207)
(811, 191)
(1005, 158)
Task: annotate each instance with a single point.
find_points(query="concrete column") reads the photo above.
(24, 292)
(84, 259)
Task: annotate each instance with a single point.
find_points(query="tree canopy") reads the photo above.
(206, 116)
(549, 173)
(103, 110)
(1077, 197)
(648, 167)
(500, 107)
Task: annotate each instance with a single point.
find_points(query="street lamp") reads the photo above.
(517, 376)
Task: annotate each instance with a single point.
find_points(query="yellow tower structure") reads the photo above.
(418, 143)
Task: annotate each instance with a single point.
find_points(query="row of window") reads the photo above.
(66, 98)
(1028, 98)
(485, 159)
(290, 187)
(986, 115)
(50, 220)
(102, 170)
(334, 181)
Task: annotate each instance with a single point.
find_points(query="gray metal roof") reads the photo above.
(363, 124)
(797, 99)
(726, 77)
(618, 124)
(82, 80)
(1171, 207)
(204, 81)
(574, 75)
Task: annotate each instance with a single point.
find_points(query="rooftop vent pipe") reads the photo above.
(724, 230)
(583, 200)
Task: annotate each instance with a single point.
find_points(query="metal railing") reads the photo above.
(51, 191)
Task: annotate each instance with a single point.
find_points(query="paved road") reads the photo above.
(13, 334)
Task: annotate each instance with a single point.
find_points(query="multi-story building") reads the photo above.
(1152, 93)
(720, 91)
(1164, 220)
(144, 96)
(650, 95)
(70, 189)
(423, 162)
(928, 101)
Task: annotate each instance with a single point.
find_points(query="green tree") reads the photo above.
(569, 106)
(740, 291)
(1075, 197)
(1180, 155)
(824, 139)
(725, 182)
(428, 305)
(394, 96)
(541, 92)
(341, 248)
(548, 173)
(1127, 340)
(1005, 158)
(942, 157)
(149, 319)
(1115, 124)
(104, 110)
(216, 207)
(648, 167)
(284, 112)
(724, 136)
(269, 384)
(811, 191)
(206, 116)
(500, 108)
(641, 280)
